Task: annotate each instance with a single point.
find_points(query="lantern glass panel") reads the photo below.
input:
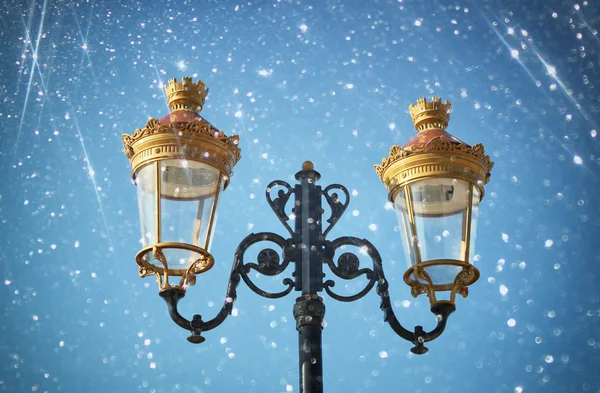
(474, 219)
(435, 223)
(189, 194)
(145, 180)
(405, 228)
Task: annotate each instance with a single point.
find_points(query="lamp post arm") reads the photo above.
(172, 296)
(442, 310)
(196, 326)
(268, 264)
(348, 267)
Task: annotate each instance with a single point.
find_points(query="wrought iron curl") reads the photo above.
(337, 208)
(348, 266)
(269, 262)
(278, 204)
(239, 271)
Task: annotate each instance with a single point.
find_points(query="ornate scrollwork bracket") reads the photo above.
(421, 283)
(278, 204)
(348, 267)
(463, 278)
(201, 262)
(337, 208)
(268, 264)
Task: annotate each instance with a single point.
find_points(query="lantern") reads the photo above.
(436, 183)
(180, 165)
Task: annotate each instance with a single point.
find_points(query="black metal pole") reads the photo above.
(309, 309)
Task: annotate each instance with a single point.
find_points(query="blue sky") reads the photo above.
(326, 81)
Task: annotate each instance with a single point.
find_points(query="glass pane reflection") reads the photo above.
(189, 193)
(438, 230)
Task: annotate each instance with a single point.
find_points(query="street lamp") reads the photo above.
(181, 164)
(436, 183)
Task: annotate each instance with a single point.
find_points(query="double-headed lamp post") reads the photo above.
(181, 164)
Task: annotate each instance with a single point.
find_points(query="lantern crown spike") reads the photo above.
(185, 94)
(430, 114)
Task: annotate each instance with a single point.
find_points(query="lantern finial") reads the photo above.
(430, 114)
(308, 166)
(186, 95)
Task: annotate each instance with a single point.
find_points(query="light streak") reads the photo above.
(84, 43)
(553, 73)
(507, 46)
(26, 41)
(34, 65)
(549, 69)
(158, 77)
(92, 175)
(241, 120)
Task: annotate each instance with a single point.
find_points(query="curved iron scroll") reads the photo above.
(278, 204)
(268, 264)
(337, 208)
(348, 268)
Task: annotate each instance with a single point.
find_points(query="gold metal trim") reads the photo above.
(213, 212)
(467, 218)
(197, 140)
(186, 95)
(463, 279)
(413, 224)
(438, 158)
(430, 114)
(203, 263)
(157, 192)
(467, 276)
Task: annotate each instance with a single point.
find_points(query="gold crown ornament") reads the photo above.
(186, 95)
(431, 119)
(194, 139)
(430, 114)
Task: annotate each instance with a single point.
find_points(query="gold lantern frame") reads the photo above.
(190, 137)
(436, 154)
